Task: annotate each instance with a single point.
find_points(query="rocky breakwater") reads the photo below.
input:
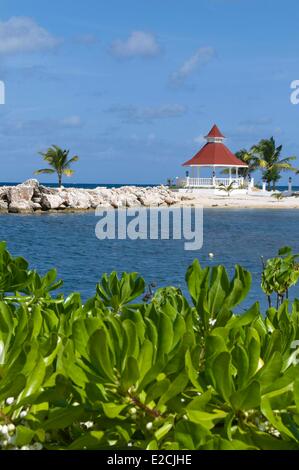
(31, 196)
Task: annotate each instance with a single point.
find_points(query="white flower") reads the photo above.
(25, 448)
(89, 424)
(130, 444)
(23, 414)
(212, 321)
(37, 446)
(133, 411)
(4, 430)
(198, 393)
(149, 426)
(10, 400)
(183, 400)
(11, 427)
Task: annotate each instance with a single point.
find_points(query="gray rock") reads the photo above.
(77, 198)
(20, 193)
(34, 183)
(51, 201)
(21, 207)
(3, 206)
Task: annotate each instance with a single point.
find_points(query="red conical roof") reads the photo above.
(215, 132)
(215, 153)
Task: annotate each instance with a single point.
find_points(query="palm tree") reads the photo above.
(269, 160)
(248, 157)
(58, 160)
(228, 189)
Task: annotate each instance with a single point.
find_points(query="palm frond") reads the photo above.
(44, 170)
(68, 172)
(72, 160)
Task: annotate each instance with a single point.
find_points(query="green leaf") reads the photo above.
(62, 418)
(286, 250)
(274, 419)
(222, 375)
(99, 354)
(24, 435)
(112, 410)
(204, 418)
(165, 334)
(130, 374)
(35, 379)
(177, 386)
(89, 441)
(163, 430)
(247, 398)
(191, 371)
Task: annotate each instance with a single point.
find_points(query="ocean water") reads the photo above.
(68, 242)
(86, 185)
(117, 185)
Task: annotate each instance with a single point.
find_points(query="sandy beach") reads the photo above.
(240, 201)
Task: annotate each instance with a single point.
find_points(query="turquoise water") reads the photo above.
(68, 242)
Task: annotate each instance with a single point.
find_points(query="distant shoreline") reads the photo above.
(111, 185)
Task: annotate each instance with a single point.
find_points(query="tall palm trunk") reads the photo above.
(59, 180)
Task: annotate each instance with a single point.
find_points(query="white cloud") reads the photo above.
(43, 126)
(138, 44)
(139, 115)
(199, 139)
(202, 56)
(262, 121)
(23, 34)
(72, 121)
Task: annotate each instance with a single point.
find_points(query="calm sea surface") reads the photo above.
(68, 242)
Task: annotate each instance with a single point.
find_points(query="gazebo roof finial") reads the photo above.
(214, 134)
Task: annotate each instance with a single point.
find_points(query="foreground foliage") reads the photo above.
(161, 374)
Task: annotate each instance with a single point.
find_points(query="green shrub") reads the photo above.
(120, 373)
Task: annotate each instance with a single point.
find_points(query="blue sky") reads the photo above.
(132, 86)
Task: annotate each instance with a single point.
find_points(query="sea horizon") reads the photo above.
(115, 185)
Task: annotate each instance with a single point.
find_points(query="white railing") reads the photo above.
(208, 182)
(196, 182)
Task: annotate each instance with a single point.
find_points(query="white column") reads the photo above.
(230, 175)
(290, 186)
(264, 186)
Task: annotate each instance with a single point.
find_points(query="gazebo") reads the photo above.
(214, 155)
